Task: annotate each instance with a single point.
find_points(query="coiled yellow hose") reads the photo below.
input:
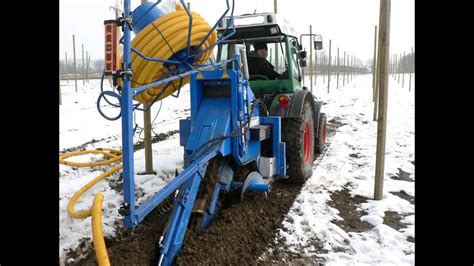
(96, 210)
(162, 39)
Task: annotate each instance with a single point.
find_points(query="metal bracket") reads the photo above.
(203, 168)
(185, 197)
(125, 21)
(127, 72)
(124, 209)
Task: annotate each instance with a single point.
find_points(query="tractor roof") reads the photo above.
(263, 24)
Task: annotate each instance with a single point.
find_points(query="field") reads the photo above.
(332, 218)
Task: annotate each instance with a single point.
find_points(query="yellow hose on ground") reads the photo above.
(97, 235)
(163, 38)
(84, 214)
(116, 155)
(96, 210)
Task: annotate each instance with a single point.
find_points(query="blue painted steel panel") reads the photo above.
(184, 131)
(212, 120)
(277, 146)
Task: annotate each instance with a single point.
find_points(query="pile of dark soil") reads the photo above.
(240, 233)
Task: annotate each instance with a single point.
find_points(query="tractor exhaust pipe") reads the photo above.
(245, 68)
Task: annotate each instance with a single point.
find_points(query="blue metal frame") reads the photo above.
(127, 133)
(127, 108)
(219, 118)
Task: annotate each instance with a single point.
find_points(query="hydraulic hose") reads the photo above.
(96, 210)
(163, 38)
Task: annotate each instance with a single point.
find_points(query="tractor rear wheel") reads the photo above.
(321, 137)
(298, 133)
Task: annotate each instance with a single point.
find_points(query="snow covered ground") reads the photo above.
(349, 163)
(80, 123)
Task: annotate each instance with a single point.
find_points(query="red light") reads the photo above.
(283, 101)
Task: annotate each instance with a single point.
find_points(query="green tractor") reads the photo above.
(303, 123)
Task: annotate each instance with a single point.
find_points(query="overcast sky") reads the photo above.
(348, 23)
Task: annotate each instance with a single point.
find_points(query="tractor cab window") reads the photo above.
(276, 54)
(227, 51)
(294, 58)
(222, 52)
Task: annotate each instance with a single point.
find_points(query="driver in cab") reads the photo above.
(258, 64)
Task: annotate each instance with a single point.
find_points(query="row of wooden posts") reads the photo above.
(383, 66)
(85, 65)
(399, 66)
(350, 66)
(346, 67)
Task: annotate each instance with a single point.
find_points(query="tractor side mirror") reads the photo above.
(302, 54)
(300, 47)
(318, 45)
(318, 42)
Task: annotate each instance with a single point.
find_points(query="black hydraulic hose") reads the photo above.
(221, 138)
(113, 94)
(102, 91)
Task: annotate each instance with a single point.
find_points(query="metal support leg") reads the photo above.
(178, 222)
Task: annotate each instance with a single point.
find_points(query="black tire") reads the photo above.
(320, 142)
(300, 164)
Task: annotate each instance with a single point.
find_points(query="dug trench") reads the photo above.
(240, 234)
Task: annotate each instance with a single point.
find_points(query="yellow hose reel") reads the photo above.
(163, 38)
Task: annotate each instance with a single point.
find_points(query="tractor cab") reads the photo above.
(282, 45)
(303, 125)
